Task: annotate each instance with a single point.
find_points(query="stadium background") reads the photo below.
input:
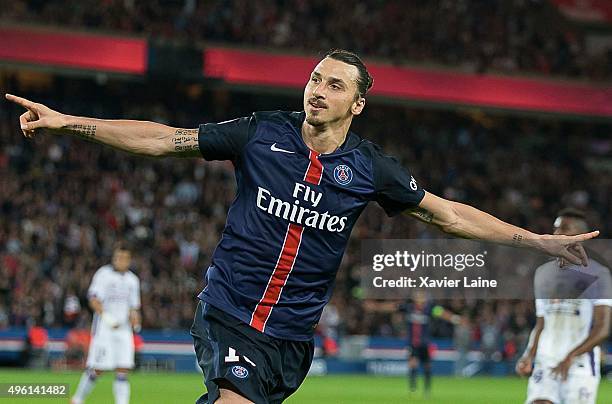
(504, 105)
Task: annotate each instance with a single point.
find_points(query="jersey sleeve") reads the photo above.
(135, 295)
(541, 289)
(540, 307)
(396, 189)
(605, 281)
(225, 140)
(601, 288)
(96, 288)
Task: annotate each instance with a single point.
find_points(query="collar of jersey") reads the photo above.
(350, 142)
(117, 271)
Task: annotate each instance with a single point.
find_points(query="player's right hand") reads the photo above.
(37, 116)
(524, 366)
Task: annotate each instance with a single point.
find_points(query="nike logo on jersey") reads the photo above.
(274, 148)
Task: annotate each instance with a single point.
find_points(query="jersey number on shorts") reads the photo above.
(232, 357)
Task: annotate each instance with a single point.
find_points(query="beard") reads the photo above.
(324, 117)
(315, 120)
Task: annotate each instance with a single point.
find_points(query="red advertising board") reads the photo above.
(265, 69)
(75, 50)
(599, 11)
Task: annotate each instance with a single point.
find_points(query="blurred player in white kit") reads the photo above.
(114, 296)
(563, 350)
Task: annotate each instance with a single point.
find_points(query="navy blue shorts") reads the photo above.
(261, 368)
(421, 352)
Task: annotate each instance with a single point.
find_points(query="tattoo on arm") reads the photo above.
(517, 239)
(185, 140)
(422, 214)
(84, 131)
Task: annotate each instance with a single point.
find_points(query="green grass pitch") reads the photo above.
(174, 388)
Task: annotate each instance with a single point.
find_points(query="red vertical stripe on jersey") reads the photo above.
(279, 276)
(288, 254)
(416, 334)
(315, 169)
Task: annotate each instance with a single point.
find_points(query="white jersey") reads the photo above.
(567, 323)
(565, 298)
(119, 292)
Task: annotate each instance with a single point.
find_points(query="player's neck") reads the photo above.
(326, 138)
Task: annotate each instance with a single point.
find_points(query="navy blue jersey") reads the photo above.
(418, 319)
(289, 224)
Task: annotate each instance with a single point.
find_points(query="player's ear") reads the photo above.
(358, 105)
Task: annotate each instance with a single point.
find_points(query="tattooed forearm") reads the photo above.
(422, 214)
(517, 239)
(84, 131)
(185, 140)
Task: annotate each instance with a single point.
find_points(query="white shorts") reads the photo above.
(578, 388)
(111, 348)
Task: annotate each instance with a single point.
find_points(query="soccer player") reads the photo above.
(418, 316)
(303, 179)
(563, 349)
(114, 296)
(419, 312)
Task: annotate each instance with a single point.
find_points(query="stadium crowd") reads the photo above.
(63, 201)
(503, 36)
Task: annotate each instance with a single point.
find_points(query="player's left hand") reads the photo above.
(562, 368)
(568, 248)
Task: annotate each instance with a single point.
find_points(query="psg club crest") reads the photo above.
(240, 372)
(343, 174)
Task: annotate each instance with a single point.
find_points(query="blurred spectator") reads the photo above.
(77, 344)
(489, 339)
(4, 318)
(37, 347)
(138, 345)
(328, 329)
(462, 341)
(72, 308)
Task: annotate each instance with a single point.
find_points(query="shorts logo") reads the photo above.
(537, 376)
(240, 372)
(413, 184)
(343, 174)
(584, 394)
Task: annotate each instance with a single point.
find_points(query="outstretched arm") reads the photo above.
(138, 137)
(466, 221)
(446, 315)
